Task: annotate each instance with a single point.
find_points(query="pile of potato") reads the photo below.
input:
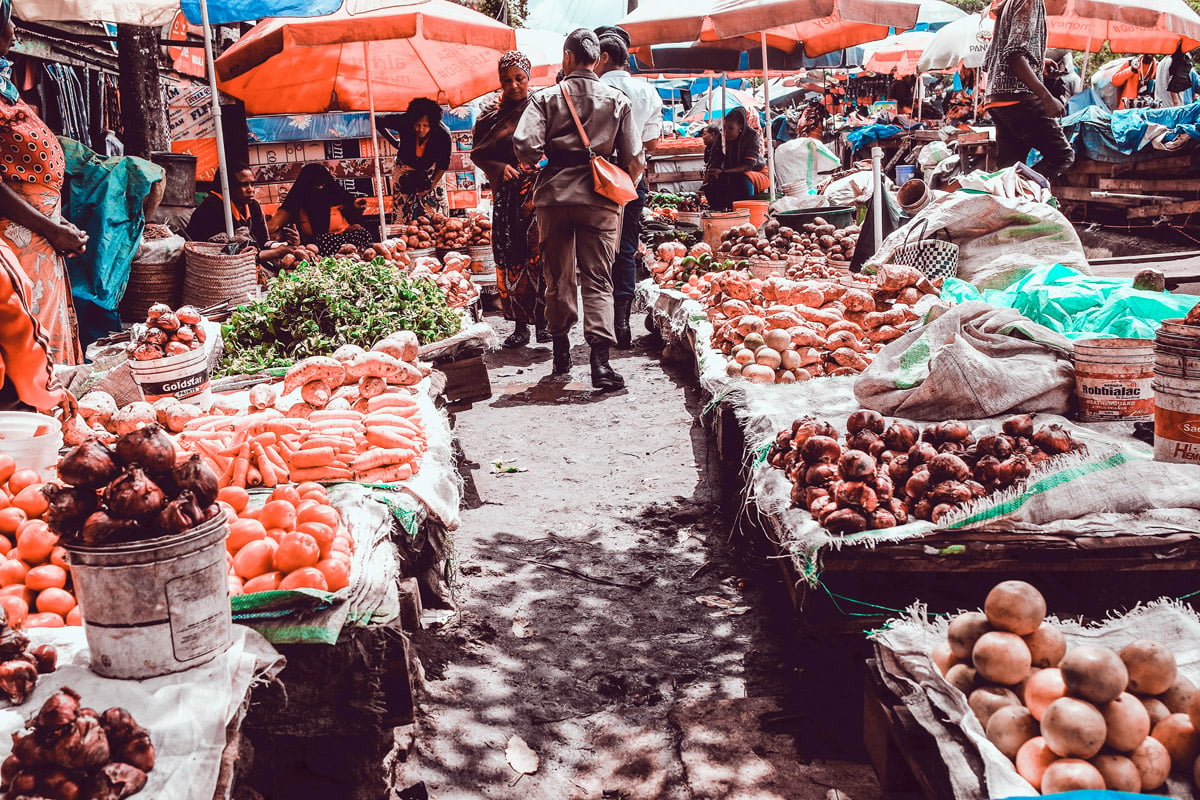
(470, 231)
(781, 331)
(887, 473)
(1071, 717)
(422, 232)
(452, 274)
(819, 238)
(745, 241)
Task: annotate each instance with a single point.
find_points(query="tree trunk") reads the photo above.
(143, 114)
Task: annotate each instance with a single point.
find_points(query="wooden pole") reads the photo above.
(143, 112)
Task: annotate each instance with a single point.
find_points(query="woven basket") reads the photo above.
(149, 284)
(764, 269)
(213, 277)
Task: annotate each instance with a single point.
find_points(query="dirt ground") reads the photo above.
(607, 616)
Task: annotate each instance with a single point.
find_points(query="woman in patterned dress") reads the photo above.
(519, 277)
(32, 169)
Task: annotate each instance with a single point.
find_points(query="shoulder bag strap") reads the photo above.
(575, 116)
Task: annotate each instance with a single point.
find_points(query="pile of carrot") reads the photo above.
(382, 444)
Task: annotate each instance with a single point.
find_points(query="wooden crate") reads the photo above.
(466, 377)
(903, 754)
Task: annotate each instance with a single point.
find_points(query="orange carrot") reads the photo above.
(322, 474)
(326, 415)
(286, 426)
(254, 478)
(316, 457)
(387, 436)
(265, 467)
(241, 465)
(394, 473)
(390, 421)
(277, 460)
(211, 452)
(391, 400)
(381, 457)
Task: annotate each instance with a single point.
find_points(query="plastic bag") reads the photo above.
(972, 362)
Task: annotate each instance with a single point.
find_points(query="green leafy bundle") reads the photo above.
(315, 308)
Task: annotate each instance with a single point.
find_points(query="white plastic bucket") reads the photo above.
(156, 606)
(1114, 379)
(184, 376)
(33, 440)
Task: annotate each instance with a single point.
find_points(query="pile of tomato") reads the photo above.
(295, 540)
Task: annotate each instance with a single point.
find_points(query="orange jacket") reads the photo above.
(23, 356)
(1129, 77)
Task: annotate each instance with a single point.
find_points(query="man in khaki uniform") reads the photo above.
(579, 227)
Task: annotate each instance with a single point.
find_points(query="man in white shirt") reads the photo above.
(613, 69)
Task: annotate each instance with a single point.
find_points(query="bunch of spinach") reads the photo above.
(317, 307)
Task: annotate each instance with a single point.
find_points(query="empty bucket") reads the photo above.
(757, 209)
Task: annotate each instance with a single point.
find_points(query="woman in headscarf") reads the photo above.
(519, 275)
(731, 179)
(422, 143)
(325, 213)
(32, 168)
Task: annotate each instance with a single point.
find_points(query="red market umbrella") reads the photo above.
(379, 58)
(429, 48)
(1132, 26)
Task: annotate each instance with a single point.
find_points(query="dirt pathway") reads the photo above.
(605, 617)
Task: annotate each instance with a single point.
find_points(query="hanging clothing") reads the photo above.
(32, 164)
(104, 197)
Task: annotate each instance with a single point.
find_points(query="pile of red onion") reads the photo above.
(886, 474)
(132, 491)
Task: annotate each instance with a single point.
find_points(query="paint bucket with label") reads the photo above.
(184, 376)
(1177, 393)
(1113, 379)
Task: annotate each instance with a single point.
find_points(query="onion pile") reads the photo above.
(73, 753)
(129, 492)
(20, 666)
(886, 474)
(830, 328)
(168, 333)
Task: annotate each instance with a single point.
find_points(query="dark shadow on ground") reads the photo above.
(586, 637)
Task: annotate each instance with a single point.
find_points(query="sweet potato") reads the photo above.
(328, 370)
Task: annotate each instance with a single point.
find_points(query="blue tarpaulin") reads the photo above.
(1126, 135)
(104, 197)
(1080, 306)
(868, 135)
(221, 12)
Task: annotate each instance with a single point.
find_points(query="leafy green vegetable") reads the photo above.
(315, 308)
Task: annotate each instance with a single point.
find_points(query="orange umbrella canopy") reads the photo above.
(428, 48)
(820, 26)
(1129, 26)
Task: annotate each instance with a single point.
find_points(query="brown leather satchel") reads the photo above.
(608, 179)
